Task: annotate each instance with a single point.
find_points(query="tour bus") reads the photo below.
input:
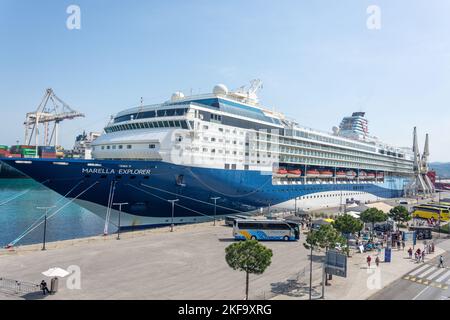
(428, 211)
(266, 230)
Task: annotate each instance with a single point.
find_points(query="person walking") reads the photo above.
(369, 258)
(377, 261)
(441, 262)
(423, 256)
(44, 287)
(410, 252)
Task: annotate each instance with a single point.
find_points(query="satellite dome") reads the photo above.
(177, 96)
(220, 89)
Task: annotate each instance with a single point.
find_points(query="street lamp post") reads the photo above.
(173, 209)
(215, 207)
(310, 274)
(295, 206)
(120, 204)
(47, 209)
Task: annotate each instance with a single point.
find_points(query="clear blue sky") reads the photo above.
(317, 59)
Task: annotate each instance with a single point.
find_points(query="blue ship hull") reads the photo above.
(148, 185)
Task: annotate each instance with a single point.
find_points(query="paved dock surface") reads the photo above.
(188, 263)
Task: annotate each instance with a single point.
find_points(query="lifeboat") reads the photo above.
(363, 174)
(326, 174)
(380, 175)
(341, 174)
(312, 173)
(351, 174)
(294, 173)
(371, 175)
(280, 173)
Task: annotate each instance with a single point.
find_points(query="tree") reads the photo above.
(399, 214)
(373, 215)
(347, 225)
(326, 237)
(249, 256)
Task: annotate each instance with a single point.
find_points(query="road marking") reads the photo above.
(415, 272)
(438, 272)
(426, 288)
(445, 275)
(422, 275)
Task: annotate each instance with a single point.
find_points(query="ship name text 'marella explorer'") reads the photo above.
(225, 153)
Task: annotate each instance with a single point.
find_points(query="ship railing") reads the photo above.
(18, 286)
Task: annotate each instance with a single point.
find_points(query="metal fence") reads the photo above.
(18, 286)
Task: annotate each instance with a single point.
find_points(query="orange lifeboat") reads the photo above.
(326, 173)
(294, 173)
(280, 173)
(312, 173)
(371, 175)
(362, 174)
(341, 174)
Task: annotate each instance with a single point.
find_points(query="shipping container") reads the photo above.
(3, 147)
(14, 155)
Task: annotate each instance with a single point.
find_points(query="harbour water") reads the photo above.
(19, 199)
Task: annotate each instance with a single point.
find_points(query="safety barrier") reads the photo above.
(18, 286)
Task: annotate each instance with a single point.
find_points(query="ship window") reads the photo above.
(108, 147)
(177, 123)
(171, 124)
(120, 146)
(233, 166)
(205, 127)
(227, 166)
(184, 125)
(145, 125)
(103, 147)
(129, 146)
(152, 146)
(161, 124)
(114, 146)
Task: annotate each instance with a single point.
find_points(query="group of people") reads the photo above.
(419, 255)
(369, 260)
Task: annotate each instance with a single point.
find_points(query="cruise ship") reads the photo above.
(219, 154)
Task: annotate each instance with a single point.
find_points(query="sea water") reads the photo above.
(19, 199)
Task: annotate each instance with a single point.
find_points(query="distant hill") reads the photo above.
(442, 169)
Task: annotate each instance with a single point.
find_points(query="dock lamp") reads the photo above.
(47, 209)
(215, 207)
(173, 209)
(120, 204)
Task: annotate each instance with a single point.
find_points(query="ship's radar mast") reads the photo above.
(248, 95)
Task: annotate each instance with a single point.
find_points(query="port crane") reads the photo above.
(51, 110)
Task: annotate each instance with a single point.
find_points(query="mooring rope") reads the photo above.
(39, 219)
(20, 194)
(180, 195)
(50, 216)
(176, 204)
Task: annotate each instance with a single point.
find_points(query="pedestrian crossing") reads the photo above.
(430, 275)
